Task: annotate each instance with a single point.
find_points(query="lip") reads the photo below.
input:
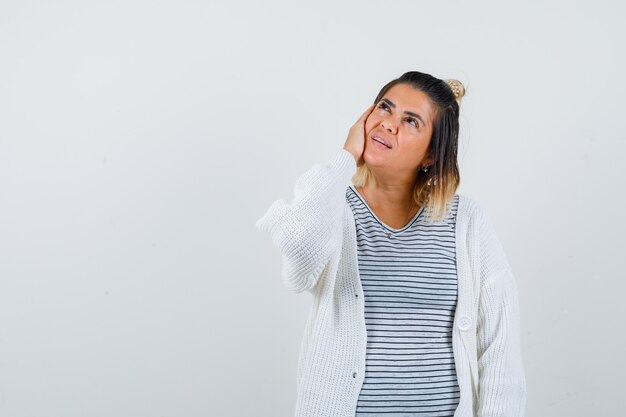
(380, 145)
(383, 137)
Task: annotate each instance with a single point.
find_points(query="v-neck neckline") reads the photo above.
(383, 224)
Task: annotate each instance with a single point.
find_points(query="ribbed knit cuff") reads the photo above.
(345, 163)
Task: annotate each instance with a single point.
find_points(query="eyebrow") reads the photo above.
(410, 113)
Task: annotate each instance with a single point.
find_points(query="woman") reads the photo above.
(415, 309)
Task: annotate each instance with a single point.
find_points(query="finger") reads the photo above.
(367, 112)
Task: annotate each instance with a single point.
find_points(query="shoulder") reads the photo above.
(474, 213)
(468, 206)
(482, 231)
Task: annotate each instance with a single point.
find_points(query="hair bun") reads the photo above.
(457, 88)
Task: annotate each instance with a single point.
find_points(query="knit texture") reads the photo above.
(316, 235)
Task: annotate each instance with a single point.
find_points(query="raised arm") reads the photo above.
(502, 385)
(308, 229)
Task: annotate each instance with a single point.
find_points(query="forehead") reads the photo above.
(407, 98)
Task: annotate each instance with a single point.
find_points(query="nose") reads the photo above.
(388, 125)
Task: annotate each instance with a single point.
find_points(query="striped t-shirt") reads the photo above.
(409, 282)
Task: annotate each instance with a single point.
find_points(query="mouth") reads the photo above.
(380, 141)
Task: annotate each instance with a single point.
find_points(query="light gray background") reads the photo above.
(141, 140)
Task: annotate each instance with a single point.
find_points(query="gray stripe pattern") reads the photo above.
(409, 281)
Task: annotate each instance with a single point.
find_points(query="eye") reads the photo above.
(410, 119)
(385, 107)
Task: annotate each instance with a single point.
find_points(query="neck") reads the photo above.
(391, 194)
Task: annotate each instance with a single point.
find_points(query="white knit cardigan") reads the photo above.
(316, 235)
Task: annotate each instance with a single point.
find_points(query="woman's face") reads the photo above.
(403, 119)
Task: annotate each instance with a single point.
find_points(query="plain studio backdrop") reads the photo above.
(141, 140)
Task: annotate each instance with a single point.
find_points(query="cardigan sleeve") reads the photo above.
(501, 380)
(308, 229)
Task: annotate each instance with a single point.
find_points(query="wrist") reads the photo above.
(354, 155)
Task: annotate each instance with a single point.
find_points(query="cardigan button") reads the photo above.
(464, 322)
(354, 375)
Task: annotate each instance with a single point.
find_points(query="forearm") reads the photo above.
(502, 385)
(308, 229)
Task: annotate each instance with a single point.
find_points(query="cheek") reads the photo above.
(414, 145)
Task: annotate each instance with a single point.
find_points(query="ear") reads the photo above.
(427, 161)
